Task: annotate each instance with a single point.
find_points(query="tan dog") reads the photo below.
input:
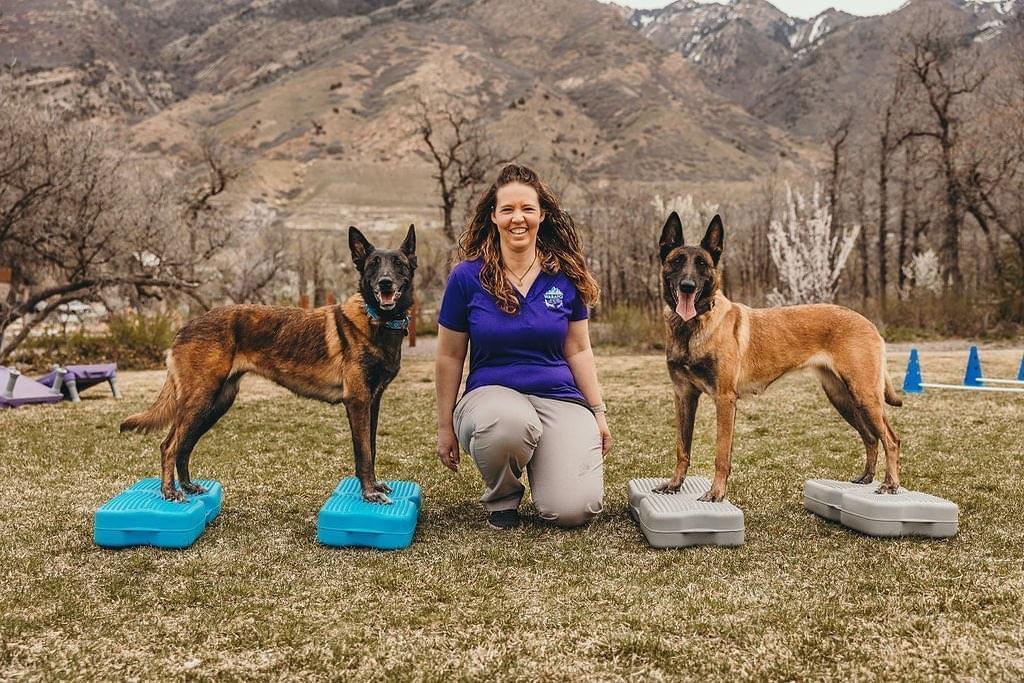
(729, 350)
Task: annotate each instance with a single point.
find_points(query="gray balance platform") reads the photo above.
(905, 513)
(677, 520)
(823, 496)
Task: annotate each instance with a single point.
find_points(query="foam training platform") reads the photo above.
(141, 516)
(905, 513)
(347, 520)
(677, 520)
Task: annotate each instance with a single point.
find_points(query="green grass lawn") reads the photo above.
(257, 597)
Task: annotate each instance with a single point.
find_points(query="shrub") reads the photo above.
(629, 327)
(143, 338)
(133, 341)
(1009, 289)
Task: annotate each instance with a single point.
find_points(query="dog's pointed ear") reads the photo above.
(714, 238)
(359, 246)
(671, 235)
(409, 246)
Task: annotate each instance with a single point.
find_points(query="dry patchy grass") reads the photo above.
(257, 597)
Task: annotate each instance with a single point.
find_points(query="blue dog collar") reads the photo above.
(396, 324)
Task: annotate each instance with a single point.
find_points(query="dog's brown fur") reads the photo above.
(336, 354)
(730, 350)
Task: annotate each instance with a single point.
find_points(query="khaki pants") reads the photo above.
(557, 442)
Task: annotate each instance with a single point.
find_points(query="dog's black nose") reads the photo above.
(688, 286)
(386, 284)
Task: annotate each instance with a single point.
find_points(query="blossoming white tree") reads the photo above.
(923, 273)
(806, 253)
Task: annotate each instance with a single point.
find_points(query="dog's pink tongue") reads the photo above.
(685, 306)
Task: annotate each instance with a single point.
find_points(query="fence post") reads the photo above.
(412, 324)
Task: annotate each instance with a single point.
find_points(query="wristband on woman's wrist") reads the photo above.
(599, 408)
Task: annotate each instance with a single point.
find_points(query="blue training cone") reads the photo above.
(1020, 373)
(972, 376)
(912, 380)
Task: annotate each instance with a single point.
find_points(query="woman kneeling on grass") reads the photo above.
(519, 299)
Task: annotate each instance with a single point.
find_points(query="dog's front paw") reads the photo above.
(194, 489)
(173, 495)
(864, 478)
(668, 487)
(376, 497)
(888, 487)
(712, 496)
(381, 487)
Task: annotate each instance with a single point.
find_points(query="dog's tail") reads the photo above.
(157, 415)
(891, 397)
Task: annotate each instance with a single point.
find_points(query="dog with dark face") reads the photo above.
(727, 350)
(347, 353)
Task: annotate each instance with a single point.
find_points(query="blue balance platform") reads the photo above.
(347, 520)
(141, 516)
(405, 490)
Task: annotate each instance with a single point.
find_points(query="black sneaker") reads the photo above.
(503, 519)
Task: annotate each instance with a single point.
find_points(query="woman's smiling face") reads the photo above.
(518, 216)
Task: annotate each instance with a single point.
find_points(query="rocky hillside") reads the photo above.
(320, 96)
(124, 59)
(796, 73)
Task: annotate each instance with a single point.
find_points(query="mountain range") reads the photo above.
(320, 96)
(795, 73)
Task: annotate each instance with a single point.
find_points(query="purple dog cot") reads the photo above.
(78, 378)
(24, 391)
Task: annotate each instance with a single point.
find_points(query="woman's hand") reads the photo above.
(448, 449)
(606, 434)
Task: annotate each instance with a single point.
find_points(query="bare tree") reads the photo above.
(860, 202)
(461, 152)
(837, 137)
(888, 143)
(945, 71)
(81, 219)
(620, 229)
(257, 266)
(747, 259)
(909, 191)
(208, 230)
(323, 265)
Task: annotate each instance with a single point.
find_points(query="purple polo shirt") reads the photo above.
(524, 351)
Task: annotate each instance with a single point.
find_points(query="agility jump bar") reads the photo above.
(913, 383)
(973, 377)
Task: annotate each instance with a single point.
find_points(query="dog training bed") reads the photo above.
(78, 378)
(18, 390)
(142, 516)
(677, 520)
(905, 513)
(347, 520)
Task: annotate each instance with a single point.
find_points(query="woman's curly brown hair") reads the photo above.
(557, 240)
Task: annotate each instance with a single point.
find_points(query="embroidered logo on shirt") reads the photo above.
(553, 298)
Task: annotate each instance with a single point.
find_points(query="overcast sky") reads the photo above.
(805, 9)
